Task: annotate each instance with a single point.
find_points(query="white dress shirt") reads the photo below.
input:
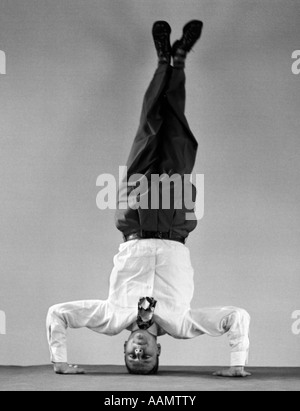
(150, 268)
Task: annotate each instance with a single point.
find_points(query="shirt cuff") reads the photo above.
(239, 359)
(58, 356)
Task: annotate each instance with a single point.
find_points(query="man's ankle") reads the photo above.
(179, 59)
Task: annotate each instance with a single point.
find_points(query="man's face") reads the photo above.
(141, 352)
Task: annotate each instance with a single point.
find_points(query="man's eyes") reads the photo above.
(145, 357)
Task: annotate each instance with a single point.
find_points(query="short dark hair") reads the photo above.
(154, 370)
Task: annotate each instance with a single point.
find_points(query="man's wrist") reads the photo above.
(239, 359)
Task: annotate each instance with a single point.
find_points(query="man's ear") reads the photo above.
(159, 349)
(125, 346)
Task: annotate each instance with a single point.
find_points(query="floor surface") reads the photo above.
(169, 379)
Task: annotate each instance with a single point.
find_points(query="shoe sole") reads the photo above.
(161, 27)
(194, 22)
(185, 30)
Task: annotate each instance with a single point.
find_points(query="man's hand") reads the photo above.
(66, 369)
(233, 372)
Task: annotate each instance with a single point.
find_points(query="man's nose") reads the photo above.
(139, 352)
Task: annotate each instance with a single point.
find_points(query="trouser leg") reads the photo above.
(164, 144)
(144, 153)
(164, 141)
(178, 146)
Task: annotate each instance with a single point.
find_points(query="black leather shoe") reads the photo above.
(161, 34)
(191, 34)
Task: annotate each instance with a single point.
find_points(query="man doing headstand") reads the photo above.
(152, 282)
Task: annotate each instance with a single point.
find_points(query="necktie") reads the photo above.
(146, 309)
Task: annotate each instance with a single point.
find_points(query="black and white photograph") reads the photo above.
(150, 192)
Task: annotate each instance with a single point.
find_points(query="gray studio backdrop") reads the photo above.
(76, 72)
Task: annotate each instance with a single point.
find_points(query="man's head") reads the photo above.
(142, 353)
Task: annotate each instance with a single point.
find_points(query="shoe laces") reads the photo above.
(189, 40)
(161, 43)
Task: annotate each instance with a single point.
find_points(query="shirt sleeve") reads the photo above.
(234, 322)
(98, 316)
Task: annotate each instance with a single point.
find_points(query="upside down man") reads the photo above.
(152, 282)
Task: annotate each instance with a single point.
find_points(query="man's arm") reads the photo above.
(219, 321)
(95, 315)
(237, 325)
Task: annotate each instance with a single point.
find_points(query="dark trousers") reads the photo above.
(164, 142)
